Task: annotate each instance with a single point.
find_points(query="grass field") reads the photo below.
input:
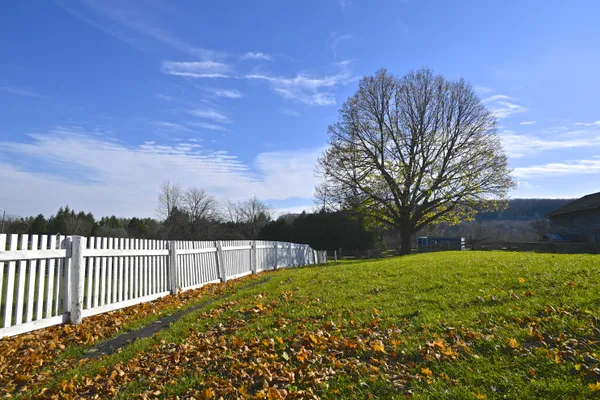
(454, 325)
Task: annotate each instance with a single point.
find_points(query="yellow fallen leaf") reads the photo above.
(274, 394)
(378, 346)
(594, 387)
(206, 394)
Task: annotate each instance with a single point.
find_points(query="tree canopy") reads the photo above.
(407, 152)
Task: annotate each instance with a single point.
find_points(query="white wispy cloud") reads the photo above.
(576, 167)
(307, 89)
(256, 55)
(290, 112)
(527, 122)
(164, 97)
(207, 125)
(171, 126)
(196, 69)
(210, 114)
(503, 106)
(106, 28)
(596, 123)
(518, 146)
(105, 177)
(136, 23)
(482, 90)
(228, 93)
(22, 92)
(335, 39)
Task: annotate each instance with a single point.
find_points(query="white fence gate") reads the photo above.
(48, 280)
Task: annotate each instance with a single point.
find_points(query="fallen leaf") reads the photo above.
(594, 387)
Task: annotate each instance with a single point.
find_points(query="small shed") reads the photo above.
(579, 220)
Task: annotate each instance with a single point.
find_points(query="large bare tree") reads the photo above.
(169, 198)
(411, 151)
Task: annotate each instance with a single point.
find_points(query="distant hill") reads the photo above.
(524, 210)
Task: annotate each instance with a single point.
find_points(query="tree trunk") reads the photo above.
(405, 242)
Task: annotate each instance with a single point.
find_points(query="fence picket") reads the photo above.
(50, 279)
(42, 280)
(188, 266)
(31, 283)
(193, 263)
(103, 274)
(128, 279)
(156, 244)
(2, 248)
(153, 266)
(163, 272)
(111, 276)
(157, 269)
(88, 263)
(144, 269)
(60, 269)
(22, 272)
(96, 297)
(10, 285)
(135, 273)
(120, 283)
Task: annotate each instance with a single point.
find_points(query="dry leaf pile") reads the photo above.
(25, 359)
(229, 361)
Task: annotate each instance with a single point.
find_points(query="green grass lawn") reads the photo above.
(454, 325)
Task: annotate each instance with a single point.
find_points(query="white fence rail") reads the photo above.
(48, 280)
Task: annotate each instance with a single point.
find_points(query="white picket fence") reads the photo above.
(48, 280)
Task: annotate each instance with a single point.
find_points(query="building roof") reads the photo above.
(589, 202)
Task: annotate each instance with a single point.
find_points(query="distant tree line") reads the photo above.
(195, 215)
(182, 215)
(322, 230)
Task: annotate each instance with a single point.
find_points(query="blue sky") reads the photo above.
(101, 101)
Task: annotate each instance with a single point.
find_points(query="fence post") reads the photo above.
(253, 266)
(276, 255)
(173, 276)
(220, 261)
(77, 278)
(290, 254)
